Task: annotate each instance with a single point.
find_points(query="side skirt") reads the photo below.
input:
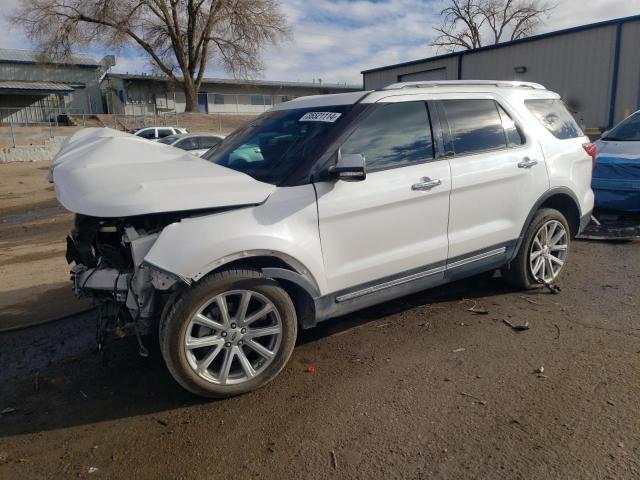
(395, 286)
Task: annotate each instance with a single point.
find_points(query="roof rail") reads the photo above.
(453, 83)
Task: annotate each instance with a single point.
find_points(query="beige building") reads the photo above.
(146, 94)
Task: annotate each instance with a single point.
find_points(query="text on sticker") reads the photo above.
(329, 117)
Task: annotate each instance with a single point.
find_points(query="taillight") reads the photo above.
(590, 148)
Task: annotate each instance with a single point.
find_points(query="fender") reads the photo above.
(286, 222)
(306, 283)
(545, 196)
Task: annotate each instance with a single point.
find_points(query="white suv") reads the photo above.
(319, 207)
(155, 133)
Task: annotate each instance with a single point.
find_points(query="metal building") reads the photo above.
(595, 67)
(33, 89)
(147, 94)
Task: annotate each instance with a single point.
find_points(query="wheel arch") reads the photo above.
(289, 273)
(561, 199)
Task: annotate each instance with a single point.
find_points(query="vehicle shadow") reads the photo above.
(83, 390)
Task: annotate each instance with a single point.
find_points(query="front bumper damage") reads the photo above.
(128, 293)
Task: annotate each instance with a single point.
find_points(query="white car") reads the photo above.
(354, 199)
(195, 143)
(154, 133)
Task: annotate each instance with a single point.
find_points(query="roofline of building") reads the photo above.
(94, 64)
(605, 23)
(228, 81)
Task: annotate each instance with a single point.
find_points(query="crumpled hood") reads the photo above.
(105, 173)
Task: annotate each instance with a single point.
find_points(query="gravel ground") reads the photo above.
(33, 227)
(416, 388)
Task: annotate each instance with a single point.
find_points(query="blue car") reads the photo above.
(616, 176)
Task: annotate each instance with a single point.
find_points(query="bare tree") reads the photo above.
(181, 37)
(469, 24)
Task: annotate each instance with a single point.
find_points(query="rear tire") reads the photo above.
(543, 252)
(231, 333)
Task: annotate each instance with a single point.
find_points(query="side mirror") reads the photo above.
(604, 134)
(350, 167)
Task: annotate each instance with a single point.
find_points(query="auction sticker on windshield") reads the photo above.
(328, 117)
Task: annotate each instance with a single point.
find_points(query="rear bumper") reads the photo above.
(584, 221)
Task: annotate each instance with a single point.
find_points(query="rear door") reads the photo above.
(497, 175)
(393, 224)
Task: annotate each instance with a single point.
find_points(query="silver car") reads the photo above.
(195, 143)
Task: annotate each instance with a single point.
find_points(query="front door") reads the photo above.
(203, 102)
(497, 175)
(395, 221)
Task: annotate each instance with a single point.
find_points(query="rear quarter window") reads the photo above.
(555, 117)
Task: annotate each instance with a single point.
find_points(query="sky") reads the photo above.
(334, 40)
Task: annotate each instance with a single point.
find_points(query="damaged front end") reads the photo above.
(108, 257)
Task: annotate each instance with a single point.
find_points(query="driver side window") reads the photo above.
(394, 135)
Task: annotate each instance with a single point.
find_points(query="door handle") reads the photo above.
(426, 184)
(527, 163)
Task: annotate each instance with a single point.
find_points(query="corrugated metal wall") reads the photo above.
(381, 78)
(628, 93)
(579, 65)
(86, 99)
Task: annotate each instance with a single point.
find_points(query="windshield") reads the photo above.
(274, 144)
(626, 131)
(170, 139)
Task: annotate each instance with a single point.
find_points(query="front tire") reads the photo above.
(231, 333)
(543, 253)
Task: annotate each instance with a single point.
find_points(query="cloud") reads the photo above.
(336, 39)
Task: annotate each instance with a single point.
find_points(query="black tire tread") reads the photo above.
(517, 273)
(190, 295)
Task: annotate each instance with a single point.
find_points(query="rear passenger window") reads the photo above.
(209, 142)
(393, 135)
(553, 115)
(149, 134)
(475, 125)
(164, 132)
(515, 137)
(190, 143)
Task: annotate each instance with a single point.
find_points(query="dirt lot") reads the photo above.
(33, 227)
(416, 388)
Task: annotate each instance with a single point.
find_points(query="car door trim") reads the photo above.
(418, 275)
(389, 284)
(476, 258)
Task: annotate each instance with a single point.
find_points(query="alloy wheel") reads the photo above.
(548, 251)
(233, 337)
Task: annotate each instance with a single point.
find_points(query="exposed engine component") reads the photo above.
(108, 255)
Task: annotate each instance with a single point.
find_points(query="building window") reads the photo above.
(260, 99)
(218, 99)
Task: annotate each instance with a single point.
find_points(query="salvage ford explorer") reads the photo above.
(321, 206)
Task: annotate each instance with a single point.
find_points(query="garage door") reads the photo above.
(433, 74)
